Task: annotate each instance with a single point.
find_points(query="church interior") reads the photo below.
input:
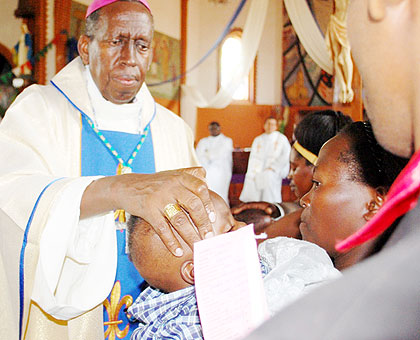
(209, 169)
(194, 73)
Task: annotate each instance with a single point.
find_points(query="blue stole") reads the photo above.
(97, 160)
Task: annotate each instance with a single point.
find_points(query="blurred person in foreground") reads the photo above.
(379, 297)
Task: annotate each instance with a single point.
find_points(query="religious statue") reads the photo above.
(22, 52)
(339, 50)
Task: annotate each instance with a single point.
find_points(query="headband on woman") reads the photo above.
(309, 156)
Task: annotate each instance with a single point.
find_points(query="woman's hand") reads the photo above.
(268, 208)
(257, 217)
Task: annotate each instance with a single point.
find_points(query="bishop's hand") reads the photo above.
(169, 200)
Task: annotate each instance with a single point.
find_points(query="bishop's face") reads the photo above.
(119, 54)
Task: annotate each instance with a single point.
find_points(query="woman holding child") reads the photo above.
(350, 179)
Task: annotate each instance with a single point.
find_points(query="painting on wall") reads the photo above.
(304, 82)
(166, 65)
(77, 28)
(77, 19)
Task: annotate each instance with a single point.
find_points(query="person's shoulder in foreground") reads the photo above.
(379, 297)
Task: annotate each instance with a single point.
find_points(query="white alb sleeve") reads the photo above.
(77, 259)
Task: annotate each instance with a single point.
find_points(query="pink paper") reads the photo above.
(229, 285)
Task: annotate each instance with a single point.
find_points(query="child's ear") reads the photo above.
(187, 271)
(375, 204)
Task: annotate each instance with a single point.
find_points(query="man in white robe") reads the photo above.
(58, 250)
(215, 155)
(267, 166)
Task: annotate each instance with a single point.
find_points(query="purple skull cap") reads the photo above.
(96, 4)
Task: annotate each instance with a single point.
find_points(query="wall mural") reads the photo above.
(304, 82)
(166, 64)
(77, 27)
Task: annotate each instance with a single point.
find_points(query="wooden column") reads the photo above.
(34, 14)
(184, 22)
(6, 53)
(183, 61)
(62, 11)
(40, 40)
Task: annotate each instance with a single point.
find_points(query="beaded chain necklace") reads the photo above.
(123, 166)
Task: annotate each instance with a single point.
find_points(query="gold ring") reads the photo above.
(171, 210)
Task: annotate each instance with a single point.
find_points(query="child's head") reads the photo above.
(153, 260)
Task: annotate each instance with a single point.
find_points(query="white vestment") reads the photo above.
(267, 166)
(215, 155)
(74, 261)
